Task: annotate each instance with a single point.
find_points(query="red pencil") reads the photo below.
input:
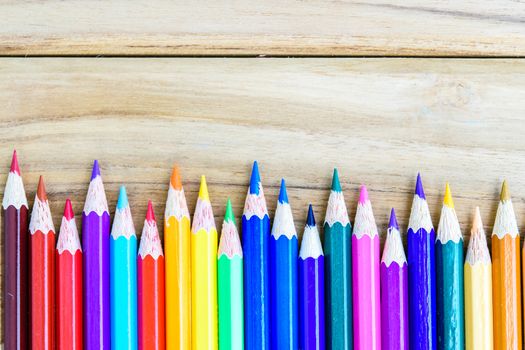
(69, 284)
(42, 237)
(16, 260)
(150, 274)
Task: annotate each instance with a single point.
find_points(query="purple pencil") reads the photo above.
(394, 290)
(311, 288)
(95, 245)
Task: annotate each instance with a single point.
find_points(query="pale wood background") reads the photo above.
(380, 120)
(274, 27)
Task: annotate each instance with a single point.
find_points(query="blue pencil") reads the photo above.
(283, 277)
(421, 275)
(255, 238)
(123, 277)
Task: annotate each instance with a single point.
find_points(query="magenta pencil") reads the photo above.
(365, 275)
(394, 290)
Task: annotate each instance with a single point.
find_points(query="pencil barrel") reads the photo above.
(478, 307)
(312, 334)
(230, 303)
(394, 306)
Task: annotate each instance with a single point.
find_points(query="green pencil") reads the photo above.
(338, 270)
(230, 285)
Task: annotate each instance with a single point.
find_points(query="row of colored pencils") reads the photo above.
(266, 293)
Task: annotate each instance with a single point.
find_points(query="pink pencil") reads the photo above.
(365, 274)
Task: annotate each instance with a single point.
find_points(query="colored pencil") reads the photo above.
(365, 276)
(177, 252)
(338, 268)
(394, 290)
(283, 276)
(203, 273)
(255, 241)
(478, 290)
(123, 277)
(16, 261)
(450, 308)
(150, 290)
(506, 276)
(311, 288)
(69, 314)
(230, 285)
(421, 274)
(95, 244)
(42, 234)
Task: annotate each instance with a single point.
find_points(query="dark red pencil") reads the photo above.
(42, 241)
(16, 297)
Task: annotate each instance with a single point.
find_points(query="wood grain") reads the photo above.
(313, 27)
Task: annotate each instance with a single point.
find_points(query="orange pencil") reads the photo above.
(42, 234)
(506, 278)
(150, 276)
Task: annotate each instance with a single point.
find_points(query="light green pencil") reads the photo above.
(230, 285)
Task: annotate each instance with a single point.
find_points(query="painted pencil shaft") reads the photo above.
(15, 322)
(394, 290)
(255, 238)
(365, 275)
(230, 285)
(421, 275)
(478, 307)
(338, 271)
(151, 287)
(95, 245)
(69, 285)
(506, 276)
(311, 303)
(204, 274)
(178, 266)
(283, 277)
(450, 295)
(123, 277)
(230, 303)
(42, 233)
(394, 305)
(506, 292)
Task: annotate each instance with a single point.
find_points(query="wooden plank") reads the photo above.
(290, 27)
(379, 121)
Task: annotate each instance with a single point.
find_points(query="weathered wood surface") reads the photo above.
(380, 121)
(313, 27)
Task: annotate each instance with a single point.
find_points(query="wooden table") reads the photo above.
(380, 90)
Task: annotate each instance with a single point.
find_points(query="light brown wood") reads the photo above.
(313, 27)
(380, 121)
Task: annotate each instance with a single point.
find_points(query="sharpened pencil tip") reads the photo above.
(150, 214)
(419, 187)
(96, 170)
(393, 220)
(505, 193)
(14, 164)
(255, 179)
(228, 215)
(283, 196)
(203, 190)
(477, 224)
(41, 190)
(448, 197)
(68, 210)
(310, 220)
(363, 195)
(175, 179)
(336, 185)
(122, 201)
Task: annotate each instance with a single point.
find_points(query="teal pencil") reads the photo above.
(338, 270)
(449, 279)
(123, 277)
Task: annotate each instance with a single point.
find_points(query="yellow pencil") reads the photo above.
(478, 290)
(203, 274)
(178, 271)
